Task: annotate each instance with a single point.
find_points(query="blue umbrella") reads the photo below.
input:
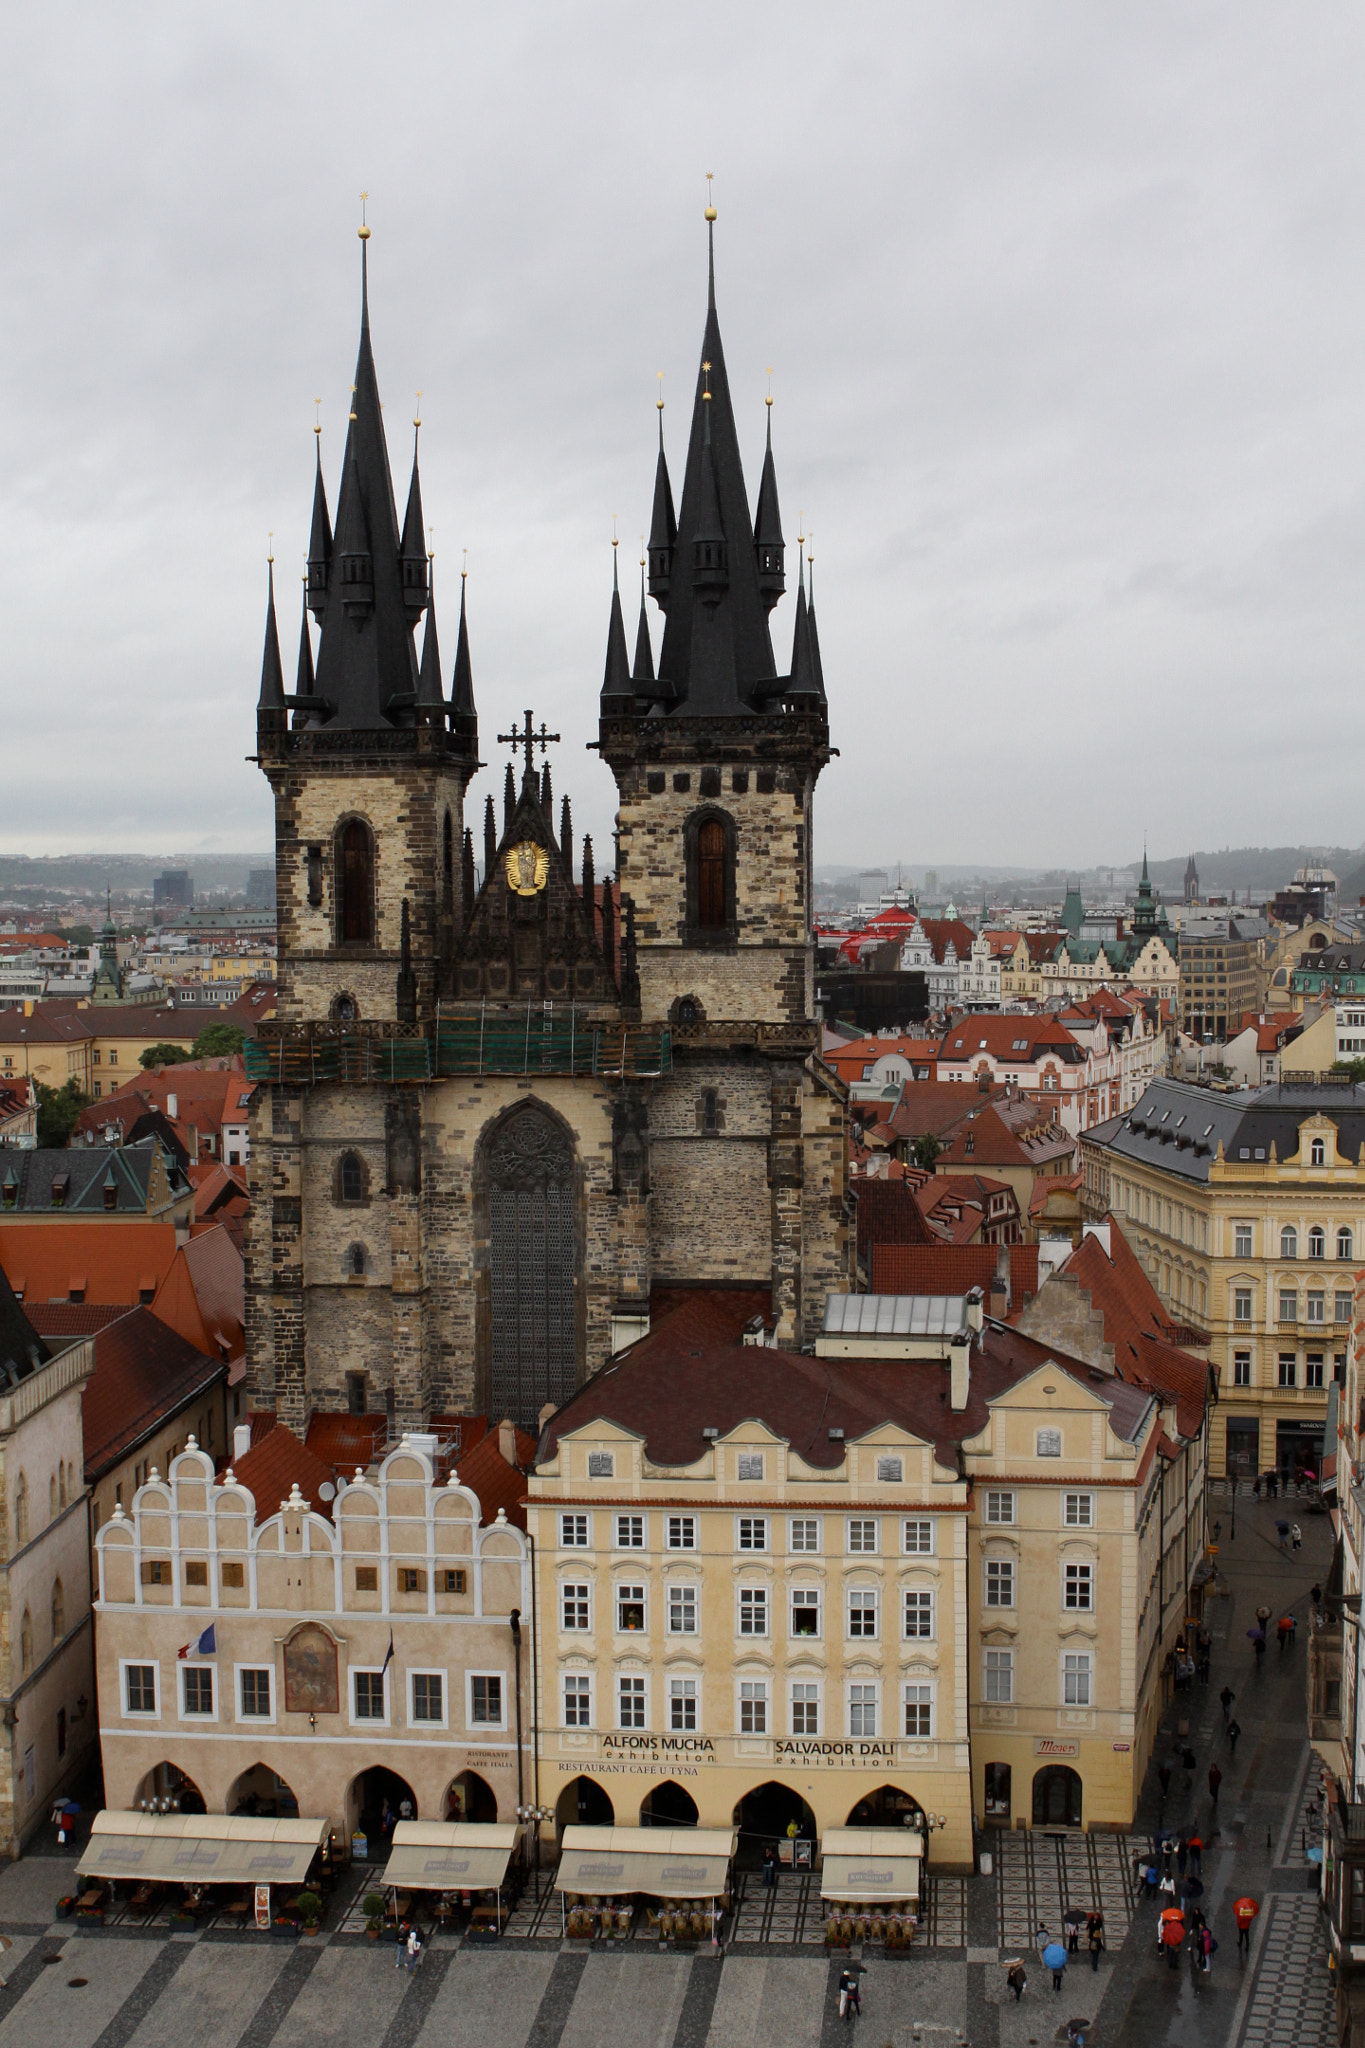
(1054, 1956)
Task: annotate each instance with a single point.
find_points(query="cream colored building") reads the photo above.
(358, 1656)
(1248, 1212)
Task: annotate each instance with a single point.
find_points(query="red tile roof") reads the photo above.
(277, 1462)
(106, 1261)
(144, 1376)
(72, 1318)
(1146, 1350)
(715, 1314)
(953, 1269)
(931, 1108)
(497, 1484)
(887, 1213)
(1014, 1039)
(204, 1293)
(344, 1441)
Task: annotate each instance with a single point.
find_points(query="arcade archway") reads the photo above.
(1057, 1797)
(263, 1791)
(378, 1799)
(766, 1815)
(668, 1806)
(470, 1797)
(167, 1789)
(583, 1803)
(887, 1807)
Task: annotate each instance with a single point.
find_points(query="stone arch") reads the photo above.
(764, 1814)
(528, 1223)
(470, 1797)
(669, 1805)
(583, 1803)
(887, 1806)
(166, 1788)
(1057, 1797)
(261, 1790)
(710, 849)
(353, 867)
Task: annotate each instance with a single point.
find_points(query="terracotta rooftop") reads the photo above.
(144, 1375)
(497, 1483)
(953, 1269)
(102, 1261)
(278, 1462)
(204, 1294)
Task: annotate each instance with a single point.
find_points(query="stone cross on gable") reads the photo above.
(529, 738)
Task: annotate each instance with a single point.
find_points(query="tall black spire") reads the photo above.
(716, 658)
(617, 692)
(643, 671)
(319, 540)
(490, 836)
(431, 696)
(271, 699)
(464, 720)
(817, 682)
(663, 527)
(305, 689)
(769, 549)
(367, 665)
(413, 547)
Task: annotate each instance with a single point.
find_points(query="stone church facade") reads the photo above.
(494, 1119)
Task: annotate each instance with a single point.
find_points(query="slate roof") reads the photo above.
(86, 1169)
(1178, 1127)
(667, 1389)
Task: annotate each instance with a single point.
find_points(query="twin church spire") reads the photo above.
(715, 573)
(368, 585)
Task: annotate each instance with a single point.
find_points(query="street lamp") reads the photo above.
(536, 1816)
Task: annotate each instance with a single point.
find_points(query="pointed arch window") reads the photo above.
(26, 1643)
(355, 883)
(527, 1194)
(709, 841)
(21, 1510)
(58, 1611)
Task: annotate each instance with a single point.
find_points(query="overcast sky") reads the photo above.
(1066, 316)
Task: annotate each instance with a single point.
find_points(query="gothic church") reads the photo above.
(495, 1120)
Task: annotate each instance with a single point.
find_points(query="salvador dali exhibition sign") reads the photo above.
(685, 1752)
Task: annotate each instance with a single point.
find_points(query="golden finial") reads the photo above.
(710, 209)
(363, 231)
(353, 401)
(431, 534)
(642, 551)
(464, 564)
(614, 541)
(418, 421)
(317, 416)
(271, 555)
(769, 399)
(659, 401)
(706, 388)
(800, 522)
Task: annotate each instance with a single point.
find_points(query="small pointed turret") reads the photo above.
(643, 672)
(467, 888)
(464, 719)
(663, 527)
(431, 699)
(319, 541)
(803, 665)
(589, 881)
(617, 693)
(608, 929)
(547, 795)
(412, 550)
(509, 798)
(270, 703)
(566, 832)
(305, 688)
(490, 836)
(817, 666)
(769, 548)
(710, 566)
(355, 563)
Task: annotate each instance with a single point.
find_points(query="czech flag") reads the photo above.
(207, 1645)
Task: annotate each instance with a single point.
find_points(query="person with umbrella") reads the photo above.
(1054, 1959)
(1172, 1935)
(1257, 1639)
(1282, 1531)
(1244, 1911)
(1094, 1935)
(1072, 1920)
(1016, 1976)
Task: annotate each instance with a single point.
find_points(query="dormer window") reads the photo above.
(61, 1183)
(1317, 1152)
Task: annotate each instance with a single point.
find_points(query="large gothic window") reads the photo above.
(709, 848)
(528, 1173)
(711, 875)
(355, 883)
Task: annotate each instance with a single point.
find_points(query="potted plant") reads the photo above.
(66, 1907)
(285, 1928)
(372, 1905)
(310, 1910)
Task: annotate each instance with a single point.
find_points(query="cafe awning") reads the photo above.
(201, 1848)
(450, 1855)
(666, 1863)
(868, 1864)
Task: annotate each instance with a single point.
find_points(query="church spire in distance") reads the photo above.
(271, 699)
(464, 719)
(617, 691)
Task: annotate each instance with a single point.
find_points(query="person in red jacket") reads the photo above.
(1172, 1935)
(1244, 1912)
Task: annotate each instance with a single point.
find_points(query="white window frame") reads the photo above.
(804, 1523)
(1242, 1241)
(762, 1595)
(578, 1585)
(619, 1592)
(634, 1679)
(679, 1594)
(995, 1495)
(574, 1517)
(253, 1720)
(428, 1671)
(1084, 1677)
(862, 1523)
(863, 1595)
(919, 1594)
(1003, 1668)
(1085, 1584)
(925, 1686)
(1004, 1564)
(627, 1518)
(686, 1526)
(917, 1523)
(577, 1678)
(810, 1686)
(1084, 1502)
(504, 1689)
(753, 1523)
(183, 1671)
(816, 1599)
(864, 1686)
(355, 1671)
(139, 1713)
(684, 1688)
(760, 1694)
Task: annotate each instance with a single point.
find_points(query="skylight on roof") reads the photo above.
(1207, 1129)
(1020, 1045)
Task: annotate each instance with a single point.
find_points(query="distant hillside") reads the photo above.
(122, 872)
(1256, 867)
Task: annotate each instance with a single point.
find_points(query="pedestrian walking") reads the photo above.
(1315, 1595)
(1234, 1730)
(1258, 1645)
(1272, 1481)
(1094, 1938)
(1017, 1978)
(1256, 1486)
(1244, 1912)
(1164, 1774)
(1206, 1946)
(1054, 1959)
(1293, 1630)
(1167, 1887)
(400, 1961)
(1042, 1939)
(848, 1991)
(1296, 1535)
(1215, 1780)
(1283, 1629)
(1182, 1851)
(1189, 1760)
(1282, 1531)
(1172, 1936)
(1225, 1700)
(1196, 1855)
(1263, 1615)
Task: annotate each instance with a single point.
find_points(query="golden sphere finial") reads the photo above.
(710, 209)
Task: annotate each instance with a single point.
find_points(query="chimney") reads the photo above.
(507, 1440)
(172, 1105)
(959, 1372)
(545, 1414)
(241, 1441)
(1000, 1284)
(972, 1304)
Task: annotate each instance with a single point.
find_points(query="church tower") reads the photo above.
(367, 759)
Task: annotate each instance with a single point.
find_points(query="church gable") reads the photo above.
(530, 935)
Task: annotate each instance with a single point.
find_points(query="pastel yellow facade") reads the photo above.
(753, 1641)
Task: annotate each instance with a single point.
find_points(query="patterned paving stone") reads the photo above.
(1291, 1999)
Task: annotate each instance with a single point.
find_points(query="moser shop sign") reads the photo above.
(1056, 1745)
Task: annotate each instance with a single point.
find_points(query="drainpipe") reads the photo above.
(514, 1622)
(535, 1700)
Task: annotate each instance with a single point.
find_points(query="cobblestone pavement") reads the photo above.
(1041, 1876)
(1287, 2002)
